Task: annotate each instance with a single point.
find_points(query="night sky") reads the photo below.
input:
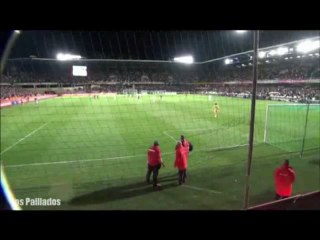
(152, 45)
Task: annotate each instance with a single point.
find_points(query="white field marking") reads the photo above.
(78, 161)
(111, 158)
(201, 129)
(223, 148)
(170, 136)
(73, 161)
(202, 189)
(20, 140)
(204, 129)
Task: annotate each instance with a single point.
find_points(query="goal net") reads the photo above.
(293, 127)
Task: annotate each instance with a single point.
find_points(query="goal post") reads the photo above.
(292, 127)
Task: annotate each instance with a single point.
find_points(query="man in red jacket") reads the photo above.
(181, 162)
(154, 163)
(187, 147)
(284, 177)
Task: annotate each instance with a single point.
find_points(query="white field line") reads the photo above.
(111, 158)
(103, 159)
(73, 161)
(78, 161)
(170, 136)
(202, 189)
(20, 140)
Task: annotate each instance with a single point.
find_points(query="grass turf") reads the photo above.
(91, 153)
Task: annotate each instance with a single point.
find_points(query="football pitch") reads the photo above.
(91, 153)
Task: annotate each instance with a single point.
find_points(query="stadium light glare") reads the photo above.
(241, 31)
(298, 56)
(65, 57)
(228, 61)
(184, 59)
(282, 51)
(17, 31)
(262, 54)
(272, 52)
(286, 58)
(308, 46)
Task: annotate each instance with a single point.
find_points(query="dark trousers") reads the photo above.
(182, 176)
(155, 172)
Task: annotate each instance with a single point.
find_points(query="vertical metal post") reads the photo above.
(305, 131)
(253, 109)
(266, 125)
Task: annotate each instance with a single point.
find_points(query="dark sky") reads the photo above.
(152, 45)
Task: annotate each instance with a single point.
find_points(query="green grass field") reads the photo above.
(91, 153)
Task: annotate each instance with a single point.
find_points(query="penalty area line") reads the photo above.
(170, 136)
(78, 161)
(202, 189)
(20, 140)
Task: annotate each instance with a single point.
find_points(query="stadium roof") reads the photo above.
(151, 45)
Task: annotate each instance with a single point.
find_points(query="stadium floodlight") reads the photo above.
(228, 61)
(241, 31)
(272, 52)
(65, 57)
(262, 54)
(308, 46)
(286, 58)
(298, 56)
(184, 59)
(17, 31)
(282, 51)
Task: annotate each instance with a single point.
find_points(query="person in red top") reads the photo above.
(181, 162)
(187, 147)
(284, 177)
(154, 163)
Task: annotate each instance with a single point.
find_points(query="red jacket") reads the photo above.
(181, 161)
(154, 155)
(185, 147)
(284, 177)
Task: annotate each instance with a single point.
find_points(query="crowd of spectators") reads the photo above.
(178, 79)
(286, 70)
(294, 93)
